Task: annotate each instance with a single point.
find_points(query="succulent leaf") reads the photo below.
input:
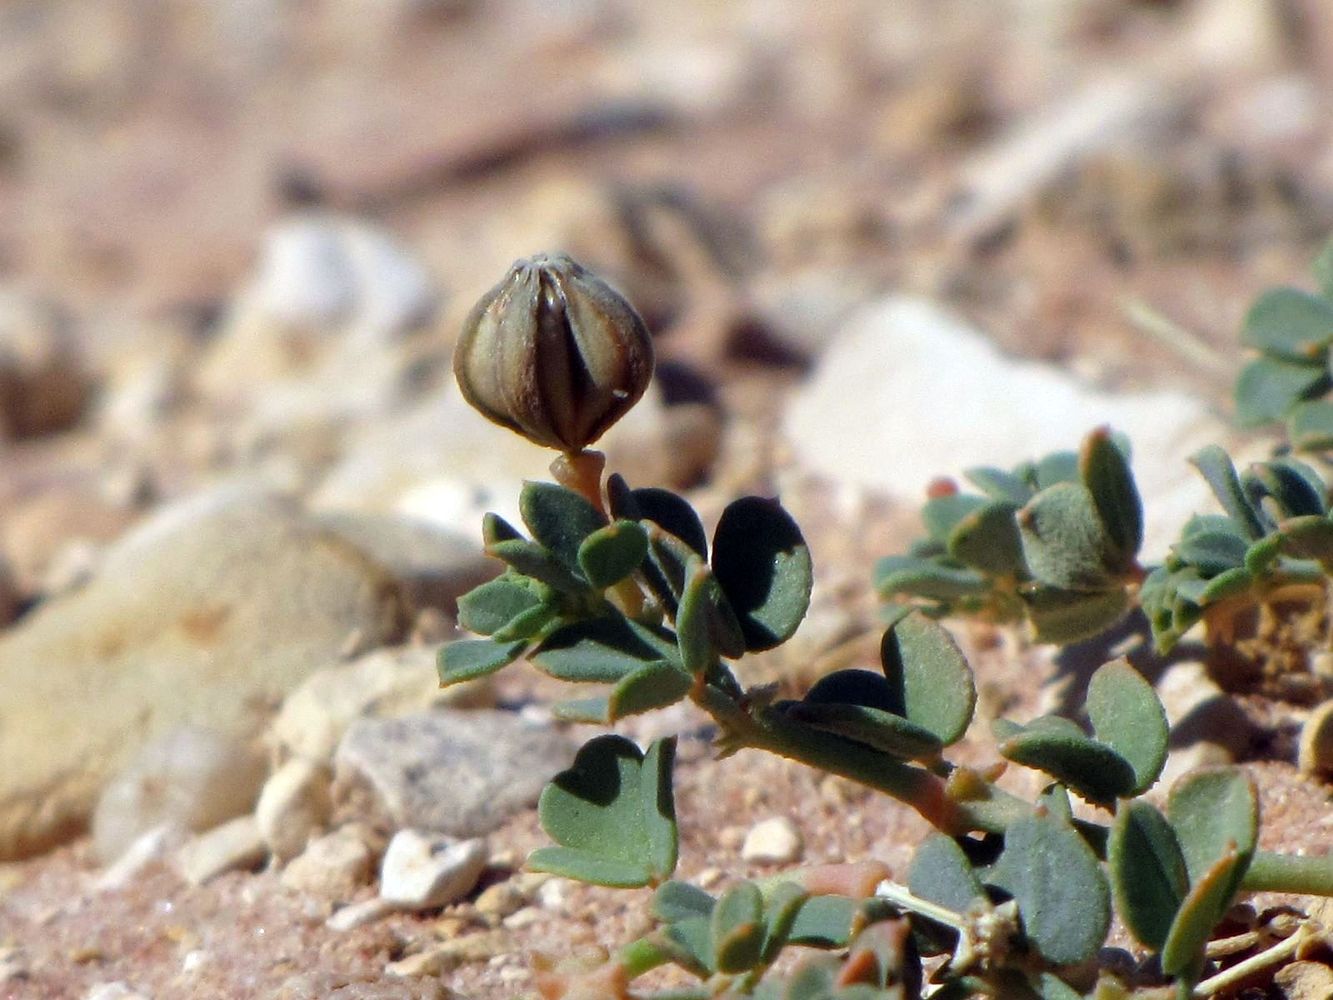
(488, 608)
(1220, 474)
(706, 627)
(1148, 876)
(1058, 467)
(1310, 425)
(534, 560)
(941, 873)
(611, 815)
(926, 578)
(1000, 485)
(1268, 388)
(1104, 469)
(610, 554)
(943, 513)
(1062, 894)
(1065, 616)
(468, 659)
(1209, 897)
(1064, 543)
(673, 514)
(763, 564)
(1289, 323)
(675, 900)
(601, 649)
(495, 528)
(1061, 749)
(824, 922)
(1212, 552)
(1308, 538)
(1213, 811)
(987, 539)
(1127, 716)
(559, 519)
(929, 675)
(737, 928)
(654, 685)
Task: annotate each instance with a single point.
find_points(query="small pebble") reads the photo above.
(333, 866)
(1315, 756)
(293, 805)
(149, 848)
(113, 991)
(500, 900)
(421, 872)
(773, 841)
(358, 914)
(229, 847)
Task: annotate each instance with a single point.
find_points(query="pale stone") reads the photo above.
(362, 912)
(113, 991)
(498, 901)
(930, 396)
(458, 772)
(381, 684)
(333, 866)
(191, 778)
(207, 614)
(149, 848)
(773, 841)
(293, 805)
(233, 846)
(422, 872)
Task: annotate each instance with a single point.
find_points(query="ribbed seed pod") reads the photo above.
(554, 353)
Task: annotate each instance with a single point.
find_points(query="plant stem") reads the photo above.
(582, 473)
(640, 956)
(990, 810)
(1254, 963)
(903, 897)
(1306, 876)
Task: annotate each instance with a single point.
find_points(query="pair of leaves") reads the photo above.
(921, 702)
(1292, 330)
(1175, 876)
(1046, 867)
(1124, 756)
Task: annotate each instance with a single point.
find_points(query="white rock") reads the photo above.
(929, 396)
(294, 804)
(382, 684)
(333, 866)
(113, 991)
(147, 849)
(773, 841)
(422, 872)
(360, 913)
(235, 845)
(191, 778)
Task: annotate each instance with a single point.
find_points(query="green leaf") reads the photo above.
(590, 711)
(495, 529)
(1059, 748)
(1213, 811)
(1208, 899)
(488, 608)
(1059, 467)
(1148, 876)
(600, 649)
(737, 929)
(611, 814)
(1127, 716)
(1066, 616)
(706, 627)
(531, 559)
(1262, 554)
(1308, 538)
(781, 907)
(653, 685)
(1063, 540)
(1323, 270)
(930, 675)
(468, 659)
(675, 900)
(1000, 485)
(559, 519)
(763, 564)
(612, 553)
(1049, 986)
(926, 578)
(1105, 472)
(1310, 426)
(941, 873)
(530, 624)
(673, 514)
(1268, 388)
(824, 922)
(987, 539)
(943, 513)
(872, 726)
(690, 945)
(1290, 324)
(1062, 895)
(1220, 474)
(1292, 485)
(1212, 552)
(1232, 583)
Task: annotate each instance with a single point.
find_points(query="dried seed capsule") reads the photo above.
(554, 353)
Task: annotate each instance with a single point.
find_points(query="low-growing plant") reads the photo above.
(623, 587)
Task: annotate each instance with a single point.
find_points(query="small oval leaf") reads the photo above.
(612, 553)
(1148, 876)
(929, 675)
(763, 564)
(559, 519)
(468, 659)
(1127, 716)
